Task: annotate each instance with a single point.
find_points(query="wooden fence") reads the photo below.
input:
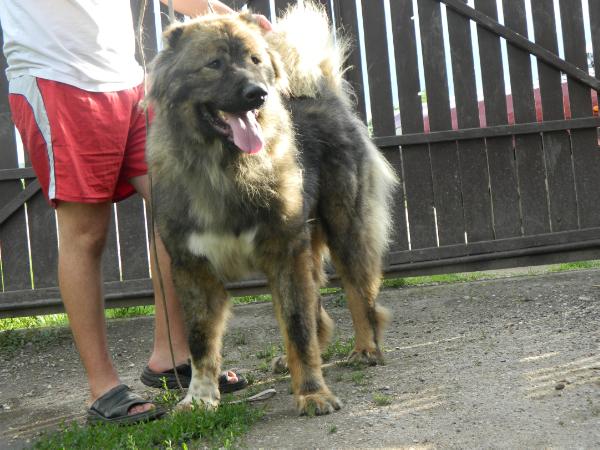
(490, 179)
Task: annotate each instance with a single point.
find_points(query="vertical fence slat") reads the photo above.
(503, 177)
(43, 241)
(132, 233)
(595, 32)
(382, 107)
(444, 157)
(378, 63)
(586, 155)
(110, 257)
(13, 232)
(557, 147)
(472, 153)
(347, 21)
(415, 158)
(528, 148)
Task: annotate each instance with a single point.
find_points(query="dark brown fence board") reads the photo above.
(595, 32)
(472, 153)
(132, 238)
(13, 232)
(586, 155)
(557, 145)
(378, 63)
(444, 157)
(503, 176)
(415, 158)
(110, 257)
(528, 149)
(347, 23)
(380, 91)
(43, 241)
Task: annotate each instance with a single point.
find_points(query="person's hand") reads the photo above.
(264, 23)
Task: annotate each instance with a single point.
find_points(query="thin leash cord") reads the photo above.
(140, 38)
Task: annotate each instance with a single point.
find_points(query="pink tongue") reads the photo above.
(247, 134)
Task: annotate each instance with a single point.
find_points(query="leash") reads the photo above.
(263, 395)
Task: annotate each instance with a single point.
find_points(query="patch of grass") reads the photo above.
(339, 348)
(60, 320)
(132, 311)
(436, 279)
(11, 341)
(359, 378)
(182, 429)
(269, 352)
(332, 429)
(382, 399)
(197, 428)
(593, 264)
(247, 299)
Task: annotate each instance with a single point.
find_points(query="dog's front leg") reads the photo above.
(295, 302)
(206, 307)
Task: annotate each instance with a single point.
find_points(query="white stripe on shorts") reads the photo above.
(26, 86)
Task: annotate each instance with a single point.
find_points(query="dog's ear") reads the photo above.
(281, 79)
(172, 34)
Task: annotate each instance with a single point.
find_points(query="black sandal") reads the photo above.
(155, 379)
(114, 406)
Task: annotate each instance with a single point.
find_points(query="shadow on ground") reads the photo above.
(510, 363)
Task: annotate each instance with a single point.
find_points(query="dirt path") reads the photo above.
(510, 363)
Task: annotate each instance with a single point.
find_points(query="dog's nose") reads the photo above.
(255, 94)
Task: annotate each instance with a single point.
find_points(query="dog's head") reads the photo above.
(219, 73)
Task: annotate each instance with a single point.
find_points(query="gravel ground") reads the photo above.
(505, 363)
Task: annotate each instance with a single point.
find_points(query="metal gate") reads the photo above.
(490, 179)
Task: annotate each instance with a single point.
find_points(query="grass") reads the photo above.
(575, 266)
(338, 348)
(359, 378)
(382, 399)
(198, 428)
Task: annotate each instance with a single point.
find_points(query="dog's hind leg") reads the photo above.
(206, 307)
(295, 301)
(357, 256)
(325, 325)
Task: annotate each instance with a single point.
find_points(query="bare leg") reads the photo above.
(82, 234)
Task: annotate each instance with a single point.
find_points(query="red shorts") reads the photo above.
(83, 146)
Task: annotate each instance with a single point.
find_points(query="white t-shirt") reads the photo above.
(89, 44)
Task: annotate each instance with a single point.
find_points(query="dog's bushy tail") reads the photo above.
(311, 52)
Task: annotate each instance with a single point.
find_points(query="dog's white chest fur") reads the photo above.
(231, 255)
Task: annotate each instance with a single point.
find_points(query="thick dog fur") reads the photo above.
(317, 185)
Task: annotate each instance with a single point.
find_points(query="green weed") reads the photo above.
(382, 399)
(338, 348)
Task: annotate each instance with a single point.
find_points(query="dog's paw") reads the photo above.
(202, 392)
(366, 358)
(279, 364)
(317, 404)
(189, 404)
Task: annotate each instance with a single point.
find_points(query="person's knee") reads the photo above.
(83, 228)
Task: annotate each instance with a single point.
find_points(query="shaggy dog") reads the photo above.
(260, 164)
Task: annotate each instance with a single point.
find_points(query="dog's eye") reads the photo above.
(214, 64)
(255, 60)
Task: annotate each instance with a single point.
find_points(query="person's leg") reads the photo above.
(82, 234)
